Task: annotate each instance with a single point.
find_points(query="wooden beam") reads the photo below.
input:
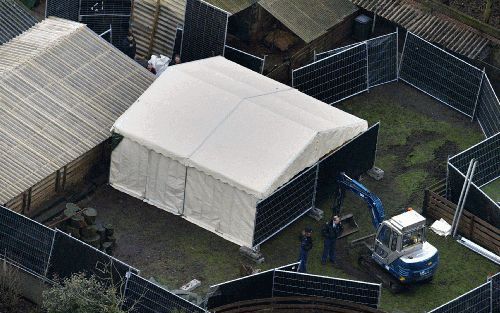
(155, 27)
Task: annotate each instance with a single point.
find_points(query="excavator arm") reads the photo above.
(374, 203)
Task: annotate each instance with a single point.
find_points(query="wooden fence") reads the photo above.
(436, 206)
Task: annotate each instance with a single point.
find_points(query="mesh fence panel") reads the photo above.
(285, 205)
(477, 300)
(147, 297)
(300, 284)
(247, 60)
(336, 77)
(487, 153)
(440, 74)
(68, 9)
(488, 109)
(119, 27)
(258, 286)
(108, 7)
(25, 242)
(70, 256)
(495, 293)
(382, 59)
(204, 34)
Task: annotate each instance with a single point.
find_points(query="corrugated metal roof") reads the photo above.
(171, 15)
(309, 19)
(61, 89)
(232, 6)
(437, 28)
(14, 19)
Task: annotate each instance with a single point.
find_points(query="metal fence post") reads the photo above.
(315, 186)
(397, 53)
(491, 293)
(402, 54)
(127, 277)
(50, 255)
(367, 65)
(263, 64)
(478, 94)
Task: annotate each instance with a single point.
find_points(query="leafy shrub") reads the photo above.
(81, 294)
(9, 288)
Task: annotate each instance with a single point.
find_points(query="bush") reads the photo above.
(81, 294)
(9, 288)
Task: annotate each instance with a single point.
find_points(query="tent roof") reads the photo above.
(241, 127)
(61, 89)
(14, 19)
(309, 19)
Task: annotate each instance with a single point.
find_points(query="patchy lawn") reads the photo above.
(416, 136)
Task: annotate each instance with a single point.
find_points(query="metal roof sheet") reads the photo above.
(232, 6)
(61, 89)
(309, 19)
(14, 19)
(433, 27)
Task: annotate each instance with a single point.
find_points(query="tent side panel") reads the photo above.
(165, 183)
(129, 164)
(219, 207)
(147, 175)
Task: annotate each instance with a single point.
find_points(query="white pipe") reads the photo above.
(453, 223)
(461, 208)
(480, 250)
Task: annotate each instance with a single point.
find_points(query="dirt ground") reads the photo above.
(417, 134)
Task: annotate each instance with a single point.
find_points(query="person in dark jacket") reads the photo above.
(129, 45)
(305, 246)
(331, 231)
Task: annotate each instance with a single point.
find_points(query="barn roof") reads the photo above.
(436, 28)
(236, 125)
(232, 6)
(14, 19)
(309, 19)
(61, 89)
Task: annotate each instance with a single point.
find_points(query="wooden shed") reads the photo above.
(61, 89)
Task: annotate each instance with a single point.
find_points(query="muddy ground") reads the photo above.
(416, 136)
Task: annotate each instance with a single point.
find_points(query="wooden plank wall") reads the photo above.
(61, 183)
(472, 227)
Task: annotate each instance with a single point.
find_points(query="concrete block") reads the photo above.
(376, 173)
(316, 213)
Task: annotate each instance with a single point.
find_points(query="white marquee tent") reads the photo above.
(210, 138)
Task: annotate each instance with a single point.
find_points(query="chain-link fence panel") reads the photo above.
(382, 59)
(335, 77)
(25, 242)
(488, 109)
(440, 74)
(245, 59)
(285, 205)
(487, 153)
(300, 284)
(477, 300)
(146, 297)
(204, 33)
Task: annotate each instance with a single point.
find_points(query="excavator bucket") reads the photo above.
(349, 224)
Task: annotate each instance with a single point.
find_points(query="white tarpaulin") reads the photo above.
(235, 134)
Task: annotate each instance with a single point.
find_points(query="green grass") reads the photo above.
(493, 190)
